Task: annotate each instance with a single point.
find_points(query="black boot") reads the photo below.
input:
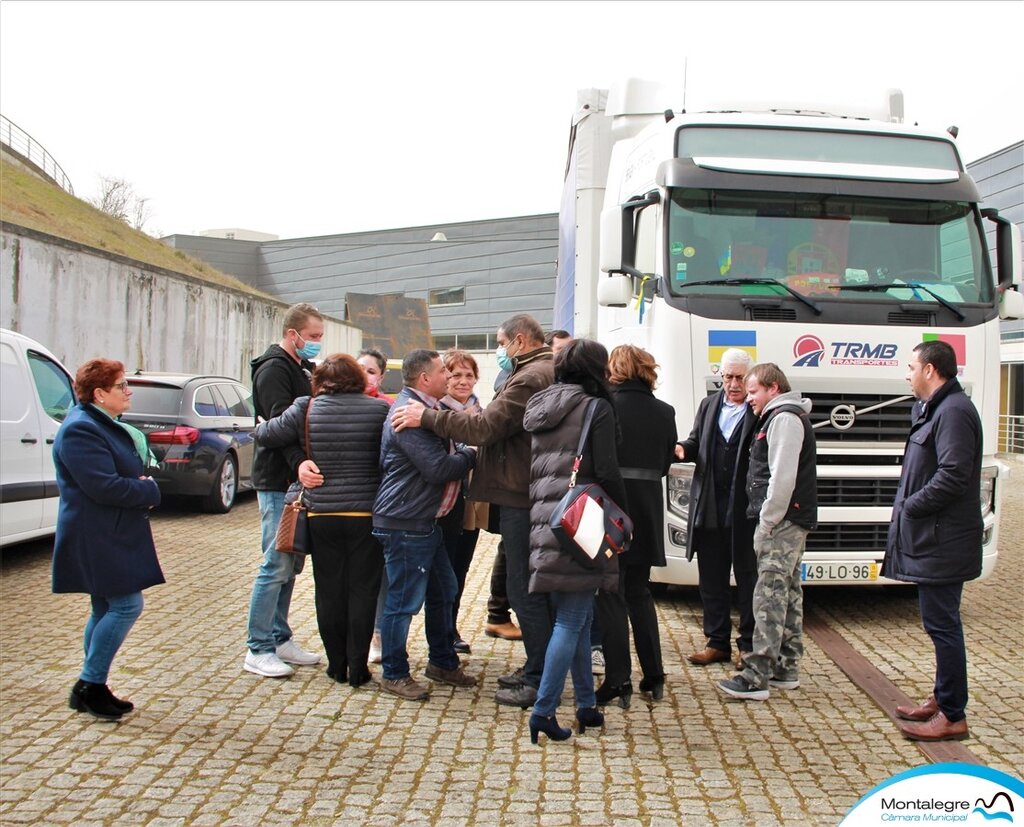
(655, 685)
(588, 717)
(97, 700)
(549, 726)
(606, 693)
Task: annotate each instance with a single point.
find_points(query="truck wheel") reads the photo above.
(225, 488)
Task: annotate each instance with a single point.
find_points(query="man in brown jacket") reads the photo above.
(502, 477)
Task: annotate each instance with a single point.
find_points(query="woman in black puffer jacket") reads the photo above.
(345, 429)
(554, 417)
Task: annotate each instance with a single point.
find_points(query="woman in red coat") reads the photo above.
(104, 543)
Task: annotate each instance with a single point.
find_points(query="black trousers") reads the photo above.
(633, 603)
(347, 566)
(714, 561)
(498, 607)
(940, 616)
(460, 546)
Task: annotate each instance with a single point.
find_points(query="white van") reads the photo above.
(36, 393)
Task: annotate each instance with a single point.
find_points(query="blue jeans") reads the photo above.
(532, 610)
(568, 650)
(272, 591)
(940, 616)
(418, 572)
(108, 625)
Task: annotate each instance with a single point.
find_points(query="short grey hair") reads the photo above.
(736, 356)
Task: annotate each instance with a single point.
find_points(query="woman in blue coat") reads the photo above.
(104, 544)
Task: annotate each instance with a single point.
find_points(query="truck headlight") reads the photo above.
(988, 489)
(679, 479)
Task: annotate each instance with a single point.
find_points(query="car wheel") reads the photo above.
(225, 488)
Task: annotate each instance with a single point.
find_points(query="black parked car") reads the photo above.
(200, 428)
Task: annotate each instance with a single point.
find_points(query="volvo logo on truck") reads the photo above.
(842, 417)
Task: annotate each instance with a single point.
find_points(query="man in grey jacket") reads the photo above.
(782, 496)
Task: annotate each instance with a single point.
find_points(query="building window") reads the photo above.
(443, 296)
(442, 343)
(473, 341)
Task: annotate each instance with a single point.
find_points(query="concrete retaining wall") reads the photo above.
(80, 303)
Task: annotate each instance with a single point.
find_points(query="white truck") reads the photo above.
(827, 243)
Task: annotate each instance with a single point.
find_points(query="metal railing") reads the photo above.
(1011, 434)
(31, 150)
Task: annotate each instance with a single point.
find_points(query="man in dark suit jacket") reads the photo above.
(718, 530)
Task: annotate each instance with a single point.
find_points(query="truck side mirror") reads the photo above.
(617, 290)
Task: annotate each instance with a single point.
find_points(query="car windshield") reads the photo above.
(162, 400)
(826, 246)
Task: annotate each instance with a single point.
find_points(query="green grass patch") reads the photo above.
(28, 201)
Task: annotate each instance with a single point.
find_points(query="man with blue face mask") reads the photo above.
(279, 376)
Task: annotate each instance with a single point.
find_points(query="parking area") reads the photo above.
(211, 744)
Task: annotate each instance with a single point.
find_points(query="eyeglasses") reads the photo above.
(121, 386)
(732, 377)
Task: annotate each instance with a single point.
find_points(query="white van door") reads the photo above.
(22, 445)
(35, 396)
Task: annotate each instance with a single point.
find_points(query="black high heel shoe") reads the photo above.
(549, 726)
(592, 717)
(655, 686)
(606, 693)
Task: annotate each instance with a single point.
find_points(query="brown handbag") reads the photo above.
(293, 530)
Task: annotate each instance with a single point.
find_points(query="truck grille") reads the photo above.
(863, 493)
(889, 423)
(844, 537)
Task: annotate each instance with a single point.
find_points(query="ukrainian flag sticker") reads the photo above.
(719, 341)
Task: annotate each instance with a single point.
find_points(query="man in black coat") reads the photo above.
(935, 537)
(718, 530)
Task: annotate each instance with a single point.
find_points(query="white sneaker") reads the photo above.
(597, 661)
(268, 665)
(291, 652)
(375, 651)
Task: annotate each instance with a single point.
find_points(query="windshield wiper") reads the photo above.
(734, 281)
(912, 286)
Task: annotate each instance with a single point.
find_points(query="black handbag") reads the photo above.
(587, 523)
(293, 530)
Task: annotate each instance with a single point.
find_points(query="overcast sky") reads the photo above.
(304, 119)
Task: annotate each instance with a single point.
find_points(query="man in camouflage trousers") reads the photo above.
(782, 492)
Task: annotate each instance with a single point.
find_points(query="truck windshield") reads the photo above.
(825, 246)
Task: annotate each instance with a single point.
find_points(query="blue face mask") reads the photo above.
(504, 360)
(309, 350)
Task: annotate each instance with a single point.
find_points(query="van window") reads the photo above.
(52, 385)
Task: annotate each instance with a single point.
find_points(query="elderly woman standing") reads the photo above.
(555, 417)
(645, 454)
(104, 544)
(345, 427)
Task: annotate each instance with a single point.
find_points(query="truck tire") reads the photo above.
(225, 488)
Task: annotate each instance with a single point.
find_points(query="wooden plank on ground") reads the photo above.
(879, 688)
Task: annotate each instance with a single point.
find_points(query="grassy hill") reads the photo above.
(39, 205)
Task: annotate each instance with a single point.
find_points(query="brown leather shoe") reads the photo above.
(925, 712)
(939, 728)
(708, 655)
(505, 631)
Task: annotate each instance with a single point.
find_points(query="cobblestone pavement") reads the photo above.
(211, 744)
